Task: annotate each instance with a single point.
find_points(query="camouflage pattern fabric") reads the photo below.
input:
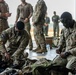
(21, 10)
(45, 28)
(17, 42)
(39, 36)
(38, 20)
(39, 12)
(28, 28)
(68, 38)
(30, 68)
(3, 20)
(24, 12)
(68, 42)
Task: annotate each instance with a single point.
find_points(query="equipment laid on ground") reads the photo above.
(49, 40)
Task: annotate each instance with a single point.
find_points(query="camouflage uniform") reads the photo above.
(55, 19)
(3, 20)
(45, 28)
(16, 42)
(68, 39)
(38, 20)
(24, 12)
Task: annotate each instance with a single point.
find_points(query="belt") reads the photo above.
(22, 18)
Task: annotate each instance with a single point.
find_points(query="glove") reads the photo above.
(58, 51)
(65, 54)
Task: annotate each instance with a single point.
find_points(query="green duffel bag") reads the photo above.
(32, 69)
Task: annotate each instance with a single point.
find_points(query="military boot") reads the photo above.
(41, 50)
(30, 48)
(38, 48)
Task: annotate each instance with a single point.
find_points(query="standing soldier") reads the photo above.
(4, 14)
(24, 12)
(38, 22)
(55, 20)
(46, 25)
(17, 39)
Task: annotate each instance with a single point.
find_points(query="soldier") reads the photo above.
(38, 22)
(67, 45)
(55, 20)
(17, 39)
(24, 12)
(4, 14)
(46, 25)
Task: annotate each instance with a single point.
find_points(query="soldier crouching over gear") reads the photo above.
(24, 13)
(38, 22)
(17, 40)
(67, 57)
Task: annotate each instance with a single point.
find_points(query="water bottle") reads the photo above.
(47, 46)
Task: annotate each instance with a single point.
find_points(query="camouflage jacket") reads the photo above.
(3, 9)
(16, 42)
(39, 12)
(24, 11)
(68, 39)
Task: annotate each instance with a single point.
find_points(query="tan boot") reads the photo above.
(41, 50)
(38, 48)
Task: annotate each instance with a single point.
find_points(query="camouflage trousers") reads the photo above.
(28, 28)
(14, 59)
(3, 25)
(39, 36)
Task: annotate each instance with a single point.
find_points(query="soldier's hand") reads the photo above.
(26, 20)
(58, 51)
(33, 23)
(65, 54)
(7, 14)
(7, 56)
(45, 24)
